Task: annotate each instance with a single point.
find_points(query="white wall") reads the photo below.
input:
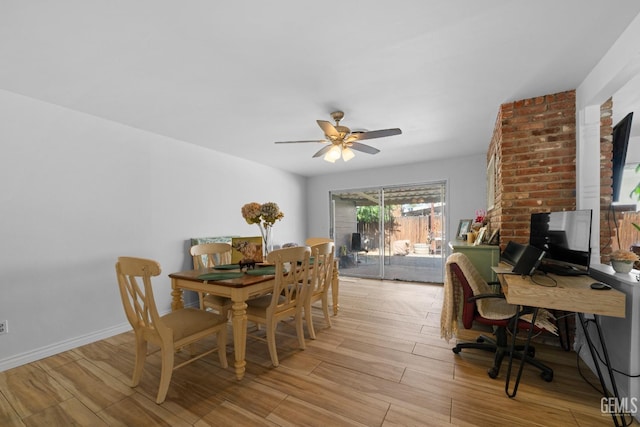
(619, 65)
(465, 177)
(77, 191)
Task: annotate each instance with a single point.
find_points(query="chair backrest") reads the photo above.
(469, 308)
(322, 271)
(464, 274)
(134, 280)
(356, 242)
(207, 255)
(291, 277)
(312, 241)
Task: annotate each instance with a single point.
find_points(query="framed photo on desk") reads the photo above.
(463, 228)
(481, 235)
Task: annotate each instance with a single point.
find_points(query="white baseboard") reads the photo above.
(70, 344)
(59, 347)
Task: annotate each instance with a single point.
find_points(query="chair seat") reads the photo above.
(257, 306)
(496, 309)
(188, 321)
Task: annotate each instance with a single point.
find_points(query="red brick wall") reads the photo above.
(534, 142)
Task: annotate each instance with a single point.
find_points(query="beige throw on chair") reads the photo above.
(287, 299)
(208, 255)
(171, 332)
(489, 308)
(321, 276)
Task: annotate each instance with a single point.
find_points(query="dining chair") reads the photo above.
(171, 332)
(208, 255)
(321, 277)
(312, 241)
(287, 299)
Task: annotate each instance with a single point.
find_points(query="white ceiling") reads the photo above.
(236, 76)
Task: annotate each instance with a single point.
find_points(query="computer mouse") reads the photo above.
(600, 286)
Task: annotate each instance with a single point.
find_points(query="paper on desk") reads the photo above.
(545, 320)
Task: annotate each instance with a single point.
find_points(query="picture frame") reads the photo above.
(463, 228)
(480, 238)
(495, 237)
(246, 249)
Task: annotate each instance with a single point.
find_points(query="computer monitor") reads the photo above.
(512, 252)
(565, 236)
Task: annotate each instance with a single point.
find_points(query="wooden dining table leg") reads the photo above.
(176, 296)
(239, 325)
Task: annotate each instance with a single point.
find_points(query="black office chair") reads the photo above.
(356, 245)
(463, 274)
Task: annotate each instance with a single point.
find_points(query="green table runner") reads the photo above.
(262, 271)
(226, 267)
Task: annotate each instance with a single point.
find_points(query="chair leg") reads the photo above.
(222, 347)
(165, 372)
(325, 308)
(494, 371)
(309, 318)
(300, 328)
(141, 355)
(271, 341)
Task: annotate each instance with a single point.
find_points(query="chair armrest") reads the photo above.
(483, 296)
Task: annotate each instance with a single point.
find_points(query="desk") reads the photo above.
(239, 290)
(571, 293)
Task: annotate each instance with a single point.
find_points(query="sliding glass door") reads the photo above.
(393, 233)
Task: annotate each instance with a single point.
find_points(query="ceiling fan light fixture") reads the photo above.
(347, 154)
(341, 141)
(333, 154)
(329, 159)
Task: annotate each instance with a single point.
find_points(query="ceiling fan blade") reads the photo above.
(363, 147)
(359, 136)
(323, 150)
(324, 141)
(328, 129)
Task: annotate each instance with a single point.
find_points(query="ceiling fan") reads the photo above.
(342, 141)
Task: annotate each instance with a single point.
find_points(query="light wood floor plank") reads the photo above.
(382, 363)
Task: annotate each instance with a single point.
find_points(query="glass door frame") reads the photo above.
(434, 195)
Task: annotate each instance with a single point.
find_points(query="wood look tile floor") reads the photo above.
(382, 363)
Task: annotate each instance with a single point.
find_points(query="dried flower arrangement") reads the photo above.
(624, 256)
(265, 216)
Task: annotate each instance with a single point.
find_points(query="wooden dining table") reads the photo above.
(239, 289)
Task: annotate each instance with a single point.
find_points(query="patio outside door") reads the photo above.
(393, 233)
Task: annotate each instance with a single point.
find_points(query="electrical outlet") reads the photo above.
(4, 327)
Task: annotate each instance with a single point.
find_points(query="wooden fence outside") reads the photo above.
(415, 229)
(628, 234)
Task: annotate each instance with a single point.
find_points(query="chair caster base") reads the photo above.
(493, 373)
(547, 376)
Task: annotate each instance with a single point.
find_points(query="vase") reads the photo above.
(471, 237)
(267, 242)
(621, 266)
